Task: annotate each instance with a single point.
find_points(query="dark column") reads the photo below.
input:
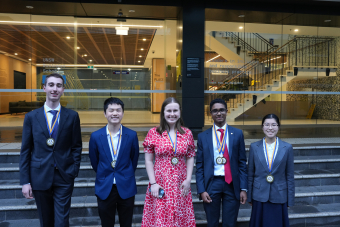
(193, 19)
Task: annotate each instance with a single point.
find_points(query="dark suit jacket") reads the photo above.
(283, 187)
(37, 159)
(124, 172)
(205, 160)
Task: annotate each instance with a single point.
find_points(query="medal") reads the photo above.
(270, 159)
(224, 160)
(174, 160)
(114, 153)
(50, 142)
(113, 164)
(219, 160)
(270, 178)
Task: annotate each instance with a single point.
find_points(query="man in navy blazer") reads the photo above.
(50, 155)
(221, 170)
(114, 152)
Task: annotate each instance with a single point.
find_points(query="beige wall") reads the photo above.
(158, 83)
(7, 67)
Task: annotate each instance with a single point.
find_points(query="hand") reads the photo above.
(155, 190)
(185, 187)
(243, 197)
(27, 191)
(205, 197)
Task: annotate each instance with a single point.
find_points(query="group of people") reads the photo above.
(51, 153)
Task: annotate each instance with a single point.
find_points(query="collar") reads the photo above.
(48, 108)
(225, 125)
(117, 134)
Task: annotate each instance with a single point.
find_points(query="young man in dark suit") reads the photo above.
(221, 170)
(50, 155)
(114, 152)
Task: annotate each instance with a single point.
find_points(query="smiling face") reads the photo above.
(54, 89)
(219, 114)
(114, 114)
(172, 113)
(270, 128)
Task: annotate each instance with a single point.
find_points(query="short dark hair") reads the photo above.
(221, 101)
(271, 116)
(56, 75)
(113, 100)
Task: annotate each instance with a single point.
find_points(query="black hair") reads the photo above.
(113, 100)
(221, 101)
(56, 75)
(271, 116)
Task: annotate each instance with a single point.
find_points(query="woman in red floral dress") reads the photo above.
(173, 147)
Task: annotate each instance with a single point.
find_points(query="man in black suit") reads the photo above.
(50, 155)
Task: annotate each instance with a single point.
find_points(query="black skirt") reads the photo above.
(269, 215)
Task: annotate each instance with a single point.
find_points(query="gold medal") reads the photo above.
(113, 164)
(270, 178)
(50, 142)
(174, 160)
(219, 160)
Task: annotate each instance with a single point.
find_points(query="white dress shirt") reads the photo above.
(50, 115)
(115, 139)
(219, 169)
(271, 151)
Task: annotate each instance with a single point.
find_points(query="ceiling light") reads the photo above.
(30, 59)
(78, 48)
(129, 69)
(328, 21)
(122, 30)
(240, 27)
(241, 15)
(58, 68)
(68, 37)
(131, 11)
(142, 49)
(296, 30)
(140, 56)
(85, 55)
(90, 60)
(144, 39)
(29, 7)
(138, 61)
(15, 53)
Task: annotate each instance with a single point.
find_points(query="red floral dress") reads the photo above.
(173, 209)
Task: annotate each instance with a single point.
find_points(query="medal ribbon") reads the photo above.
(174, 146)
(51, 128)
(270, 161)
(221, 144)
(111, 141)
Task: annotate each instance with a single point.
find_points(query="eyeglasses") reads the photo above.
(270, 125)
(222, 111)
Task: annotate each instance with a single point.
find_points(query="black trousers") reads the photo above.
(107, 209)
(54, 204)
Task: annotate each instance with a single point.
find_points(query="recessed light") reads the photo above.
(90, 60)
(129, 69)
(29, 7)
(78, 48)
(140, 56)
(85, 55)
(131, 11)
(328, 21)
(144, 39)
(68, 37)
(138, 61)
(296, 30)
(241, 15)
(15, 53)
(30, 59)
(58, 68)
(240, 27)
(142, 49)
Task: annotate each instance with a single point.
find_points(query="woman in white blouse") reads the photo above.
(271, 186)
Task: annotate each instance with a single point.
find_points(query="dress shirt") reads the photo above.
(271, 150)
(115, 139)
(219, 169)
(50, 115)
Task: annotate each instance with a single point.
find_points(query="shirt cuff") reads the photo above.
(244, 190)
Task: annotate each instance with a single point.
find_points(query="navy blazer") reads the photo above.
(124, 172)
(283, 187)
(37, 159)
(205, 161)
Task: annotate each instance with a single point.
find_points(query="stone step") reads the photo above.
(13, 156)
(85, 214)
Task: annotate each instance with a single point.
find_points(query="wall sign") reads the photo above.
(193, 67)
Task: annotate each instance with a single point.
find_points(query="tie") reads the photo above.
(55, 131)
(227, 170)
